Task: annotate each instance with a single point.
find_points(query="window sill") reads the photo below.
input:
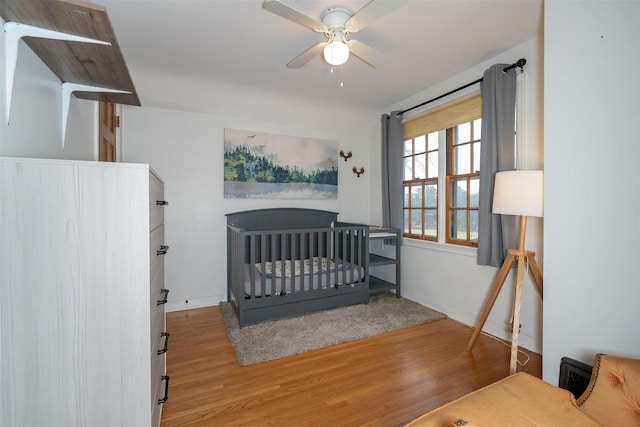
(440, 247)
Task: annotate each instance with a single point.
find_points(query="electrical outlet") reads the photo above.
(509, 327)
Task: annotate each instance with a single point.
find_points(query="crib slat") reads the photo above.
(347, 255)
(357, 254)
(283, 257)
(272, 257)
(294, 257)
(363, 250)
(236, 264)
(343, 259)
(263, 262)
(327, 249)
(303, 245)
(319, 254)
(336, 251)
(312, 238)
(352, 261)
(251, 239)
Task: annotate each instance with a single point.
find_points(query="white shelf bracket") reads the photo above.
(67, 89)
(13, 32)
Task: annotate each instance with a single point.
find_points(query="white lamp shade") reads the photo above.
(518, 192)
(336, 53)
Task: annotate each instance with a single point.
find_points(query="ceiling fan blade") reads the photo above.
(368, 54)
(291, 14)
(372, 11)
(307, 55)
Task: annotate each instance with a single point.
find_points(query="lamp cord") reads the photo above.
(506, 344)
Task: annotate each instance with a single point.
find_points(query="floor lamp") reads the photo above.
(517, 192)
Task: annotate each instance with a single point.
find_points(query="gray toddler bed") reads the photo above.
(288, 261)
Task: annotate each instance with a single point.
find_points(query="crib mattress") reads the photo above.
(298, 276)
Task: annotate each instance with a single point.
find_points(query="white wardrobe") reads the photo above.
(82, 318)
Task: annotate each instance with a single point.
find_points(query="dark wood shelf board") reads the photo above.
(379, 285)
(83, 63)
(380, 260)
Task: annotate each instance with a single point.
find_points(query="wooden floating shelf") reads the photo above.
(76, 62)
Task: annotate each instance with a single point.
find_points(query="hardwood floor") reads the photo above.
(386, 380)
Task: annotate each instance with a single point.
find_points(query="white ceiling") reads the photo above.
(237, 43)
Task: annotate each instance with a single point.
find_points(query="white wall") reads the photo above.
(35, 127)
(592, 190)
(447, 277)
(186, 149)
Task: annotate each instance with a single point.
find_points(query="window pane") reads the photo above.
(407, 147)
(419, 171)
(462, 133)
(477, 129)
(431, 195)
(407, 168)
(416, 221)
(432, 158)
(416, 196)
(405, 220)
(420, 144)
(474, 189)
(459, 193)
(473, 226)
(476, 157)
(462, 159)
(431, 223)
(406, 195)
(459, 225)
(433, 141)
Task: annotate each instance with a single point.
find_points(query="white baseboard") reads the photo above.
(496, 329)
(191, 303)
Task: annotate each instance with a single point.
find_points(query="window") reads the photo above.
(463, 183)
(420, 186)
(442, 151)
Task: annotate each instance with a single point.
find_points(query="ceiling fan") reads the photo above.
(337, 23)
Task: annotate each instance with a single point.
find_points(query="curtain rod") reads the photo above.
(520, 63)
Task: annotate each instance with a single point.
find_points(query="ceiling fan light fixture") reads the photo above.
(336, 53)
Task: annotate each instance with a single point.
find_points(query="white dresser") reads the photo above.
(82, 323)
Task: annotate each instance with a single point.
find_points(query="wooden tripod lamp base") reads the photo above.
(522, 258)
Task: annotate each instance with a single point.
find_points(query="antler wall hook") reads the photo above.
(345, 156)
(358, 172)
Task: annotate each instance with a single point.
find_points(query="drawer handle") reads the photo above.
(166, 389)
(164, 300)
(163, 350)
(161, 203)
(163, 250)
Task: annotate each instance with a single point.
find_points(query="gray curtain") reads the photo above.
(496, 233)
(392, 170)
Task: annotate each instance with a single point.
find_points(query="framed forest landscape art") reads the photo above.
(262, 165)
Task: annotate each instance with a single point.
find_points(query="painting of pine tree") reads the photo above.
(262, 165)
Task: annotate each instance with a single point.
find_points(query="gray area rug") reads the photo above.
(274, 339)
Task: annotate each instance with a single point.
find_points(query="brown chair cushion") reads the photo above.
(612, 396)
(520, 400)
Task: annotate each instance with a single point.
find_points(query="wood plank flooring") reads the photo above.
(386, 380)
